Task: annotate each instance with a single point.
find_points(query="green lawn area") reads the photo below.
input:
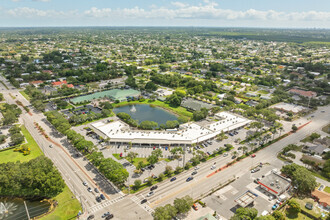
(117, 156)
(327, 189)
(326, 129)
(138, 159)
(303, 202)
(25, 95)
(181, 111)
(300, 216)
(68, 206)
(11, 156)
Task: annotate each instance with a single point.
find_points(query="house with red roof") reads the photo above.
(307, 94)
(59, 83)
(36, 83)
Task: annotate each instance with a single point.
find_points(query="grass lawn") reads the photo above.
(181, 111)
(300, 216)
(11, 156)
(67, 208)
(327, 189)
(138, 159)
(326, 129)
(313, 212)
(117, 156)
(25, 95)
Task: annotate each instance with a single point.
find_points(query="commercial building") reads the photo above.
(286, 107)
(187, 134)
(246, 199)
(275, 184)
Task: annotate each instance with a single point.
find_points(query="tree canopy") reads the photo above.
(37, 178)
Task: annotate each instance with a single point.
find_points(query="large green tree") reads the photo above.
(301, 177)
(37, 178)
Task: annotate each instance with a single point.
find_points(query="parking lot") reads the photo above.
(145, 151)
(223, 200)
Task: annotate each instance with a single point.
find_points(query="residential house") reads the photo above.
(307, 94)
(36, 83)
(323, 198)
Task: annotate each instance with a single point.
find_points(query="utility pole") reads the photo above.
(27, 211)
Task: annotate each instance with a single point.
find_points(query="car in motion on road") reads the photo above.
(144, 201)
(98, 199)
(253, 155)
(225, 155)
(194, 173)
(90, 217)
(85, 183)
(105, 214)
(109, 217)
(150, 193)
(153, 188)
(212, 167)
(189, 179)
(89, 189)
(102, 196)
(174, 178)
(96, 190)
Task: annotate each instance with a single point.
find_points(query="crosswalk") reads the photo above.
(145, 206)
(105, 204)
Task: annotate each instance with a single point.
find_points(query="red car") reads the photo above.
(154, 148)
(253, 155)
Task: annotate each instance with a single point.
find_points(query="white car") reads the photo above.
(225, 154)
(150, 193)
(196, 168)
(212, 167)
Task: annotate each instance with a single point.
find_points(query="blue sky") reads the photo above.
(220, 13)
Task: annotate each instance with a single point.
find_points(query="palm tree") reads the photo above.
(281, 129)
(244, 148)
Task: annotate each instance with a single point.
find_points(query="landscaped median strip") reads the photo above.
(59, 145)
(235, 161)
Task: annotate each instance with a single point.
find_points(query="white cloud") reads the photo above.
(179, 4)
(205, 13)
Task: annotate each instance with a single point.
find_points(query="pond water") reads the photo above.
(144, 112)
(13, 209)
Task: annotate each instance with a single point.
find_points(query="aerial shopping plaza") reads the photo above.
(187, 134)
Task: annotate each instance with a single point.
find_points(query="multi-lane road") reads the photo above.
(75, 170)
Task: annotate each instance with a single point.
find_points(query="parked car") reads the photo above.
(195, 207)
(89, 189)
(96, 190)
(173, 179)
(85, 183)
(98, 199)
(189, 178)
(102, 196)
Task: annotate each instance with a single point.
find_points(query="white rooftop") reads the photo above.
(188, 133)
